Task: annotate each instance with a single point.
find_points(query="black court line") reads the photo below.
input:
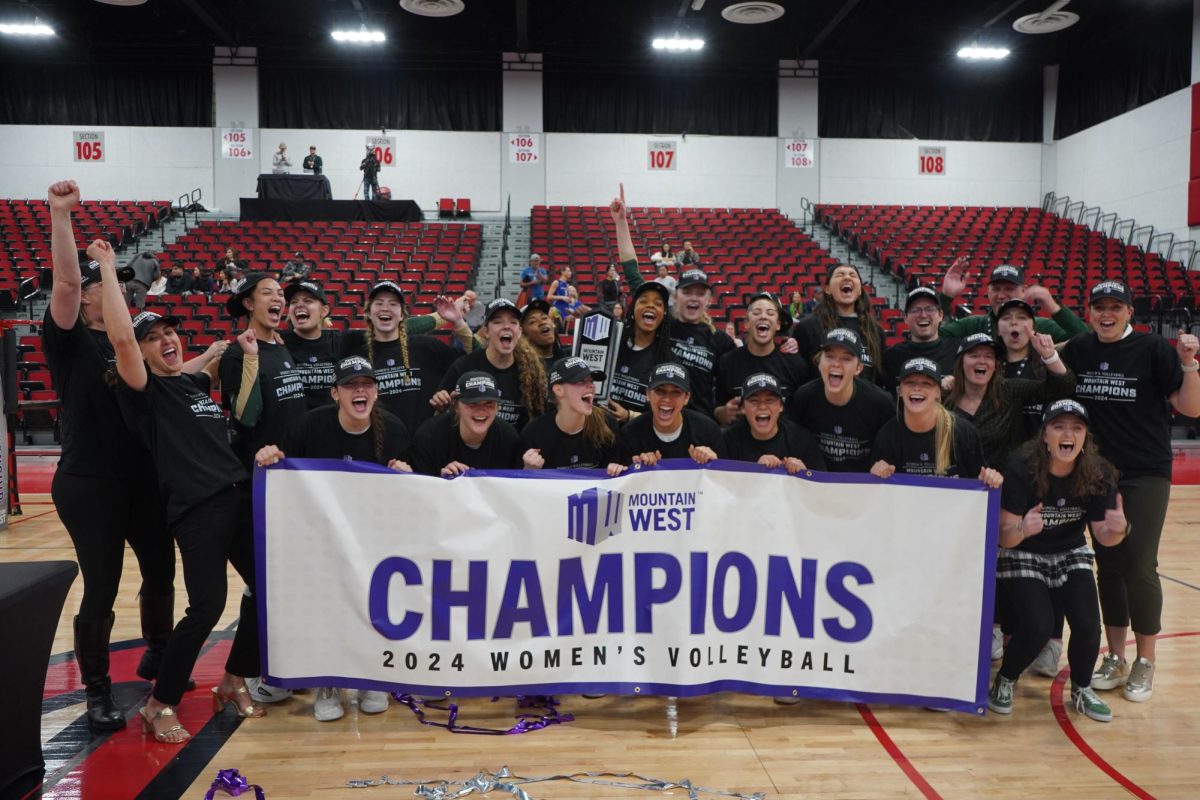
(1181, 583)
(192, 759)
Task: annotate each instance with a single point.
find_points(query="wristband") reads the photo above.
(1051, 359)
(1193, 368)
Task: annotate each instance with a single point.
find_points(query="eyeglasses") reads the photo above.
(923, 311)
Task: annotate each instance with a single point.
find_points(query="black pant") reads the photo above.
(371, 187)
(100, 515)
(208, 535)
(1130, 588)
(1033, 617)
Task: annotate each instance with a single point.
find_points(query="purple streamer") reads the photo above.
(540, 711)
(233, 784)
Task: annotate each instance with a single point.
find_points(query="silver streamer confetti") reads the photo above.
(505, 782)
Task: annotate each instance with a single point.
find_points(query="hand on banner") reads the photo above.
(533, 458)
(647, 459)
(882, 469)
(62, 197)
(248, 342)
(614, 470)
(770, 462)
(794, 465)
(398, 465)
(441, 399)
(991, 478)
(790, 346)
(701, 454)
(269, 455)
(454, 469)
(954, 282)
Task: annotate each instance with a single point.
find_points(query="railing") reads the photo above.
(1141, 237)
(807, 215)
(503, 248)
(1126, 230)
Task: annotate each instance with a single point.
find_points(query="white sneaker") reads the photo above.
(997, 644)
(1046, 662)
(328, 705)
(373, 702)
(261, 692)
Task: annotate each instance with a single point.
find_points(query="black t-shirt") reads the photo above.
(1064, 515)
(319, 434)
(790, 441)
(568, 450)
(638, 436)
(809, 334)
(845, 433)
(1125, 386)
(698, 347)
(508, 381)
(281, 387)
(632, 376)
(184, 430)
(734, 367)
(95, 438)
(915, 453)
(942, 352)
(315, 359)
(1031, 411)
(437, 443)
(406, 392)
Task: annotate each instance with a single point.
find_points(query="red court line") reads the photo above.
(894, 751)
(129, 759)
(63, 677)
(1068, 727)
(28, 519)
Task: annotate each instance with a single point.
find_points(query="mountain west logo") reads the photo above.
(596, 327)
(594, 515)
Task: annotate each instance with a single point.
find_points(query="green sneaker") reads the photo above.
(1087, 703)
(1000, 698)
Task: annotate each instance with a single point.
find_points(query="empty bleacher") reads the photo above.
(742, 250)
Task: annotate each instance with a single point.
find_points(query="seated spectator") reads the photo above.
(202, 282)
(159, 286)
(295, 270)
(230, 261)
(731, 332)
(663, 275)
(618, 312)
(667, 429)
(818, 294)
(225, 284)
(688, 257)
(575, 307)
(762, 436)
(239, 280)
(610, 289)
(796, 307)
(665, 253)
(179, 282)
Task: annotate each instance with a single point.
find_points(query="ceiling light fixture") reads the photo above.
(677, 45)
(25, 29)
(362, 36)
(976, 53)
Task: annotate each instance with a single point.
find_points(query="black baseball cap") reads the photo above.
(670, 373)
(650, 286)
(921, 293)
(234, 304)
(536, 304)
(386, 286)
(146, 320)
(1009, 273)
(476, 386)
(1113, 289)
(89, 271)
(498, 305)
(573, 369)
(352, 367)
(978, 340)
(761, 382)
(1016, 302)
(920, 366)
(844, 337)
(1065, 406)
(785, 319)
(693, 277)
(312, 288)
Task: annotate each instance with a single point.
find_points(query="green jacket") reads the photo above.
(1062, 326)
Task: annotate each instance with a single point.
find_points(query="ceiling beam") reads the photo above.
(201, 12)
(829, 28)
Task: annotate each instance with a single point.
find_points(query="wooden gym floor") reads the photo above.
(731, 742)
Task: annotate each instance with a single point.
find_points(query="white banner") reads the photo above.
(677, 580)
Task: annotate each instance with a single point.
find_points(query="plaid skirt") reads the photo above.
(1049, 568)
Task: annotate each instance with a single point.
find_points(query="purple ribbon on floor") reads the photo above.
(233, 784)
(542, 711)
